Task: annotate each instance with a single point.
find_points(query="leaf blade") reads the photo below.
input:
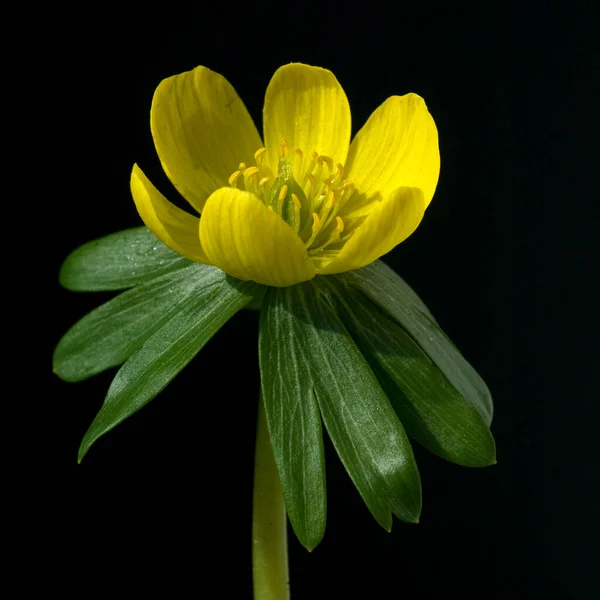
(429, 407)
(395, 297)
(110, 334)
(118, 261)
(387, 479)
(293, 421)
(165, 353)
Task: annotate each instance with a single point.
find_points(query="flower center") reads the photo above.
(307, 193)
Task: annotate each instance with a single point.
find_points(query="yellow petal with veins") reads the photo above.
(389, 223)
(201, 131)
(171, 225)
(308, 107)
(241, 236)
(397, 146)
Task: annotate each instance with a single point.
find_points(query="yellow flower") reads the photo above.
(306, 202)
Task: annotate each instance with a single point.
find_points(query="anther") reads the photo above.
(297, 202)
(315, 230)
(283, 148)
(340, 224)
(233, 178)
(242, 166)
(251, 171)
(283, 192)
(259, 153)
(328, 161)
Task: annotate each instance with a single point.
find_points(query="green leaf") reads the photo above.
(110, 334)
(364, 428)
(387, 289)
(430, 409)
(293, 418)
(169, 349)
(119, 261)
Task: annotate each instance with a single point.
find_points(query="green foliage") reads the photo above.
(313, 350)
(358, 351)
(119, 261)
(387, 290)
(167, 351)
(430, 409)
(110, 334)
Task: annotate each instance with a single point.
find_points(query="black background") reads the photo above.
(503, 258)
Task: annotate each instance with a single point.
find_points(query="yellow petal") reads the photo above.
(241, 236)
(397, 146)
(202, 131)
(308, 107)
(171, 225)
(389, 223)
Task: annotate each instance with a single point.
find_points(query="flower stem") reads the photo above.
(269, 535)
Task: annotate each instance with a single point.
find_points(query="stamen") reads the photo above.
(333, 237)
(263, 182)
(328, 161)
(258, 155)
(283, 192)
(242, 166)
(280, 198)
(233, 178)
(283, 148)
(251, 171)
(316, 226)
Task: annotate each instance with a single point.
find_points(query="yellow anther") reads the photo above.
(270, 208)
(330, 200)
(242, 166)
(283, 192)
(297, 202)
(328, 161)
(259, 153)
(233, 178)
(316, 226)
(314, 155)
(299, 154)
(283, 148)
(250, 171)
(263, 181)
(340, 224)
(316, 221)
(340, 170)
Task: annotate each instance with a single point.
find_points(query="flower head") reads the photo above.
(304, 201)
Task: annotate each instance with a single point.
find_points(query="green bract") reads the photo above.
(357, 355)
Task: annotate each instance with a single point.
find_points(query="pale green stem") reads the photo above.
(269, 534)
